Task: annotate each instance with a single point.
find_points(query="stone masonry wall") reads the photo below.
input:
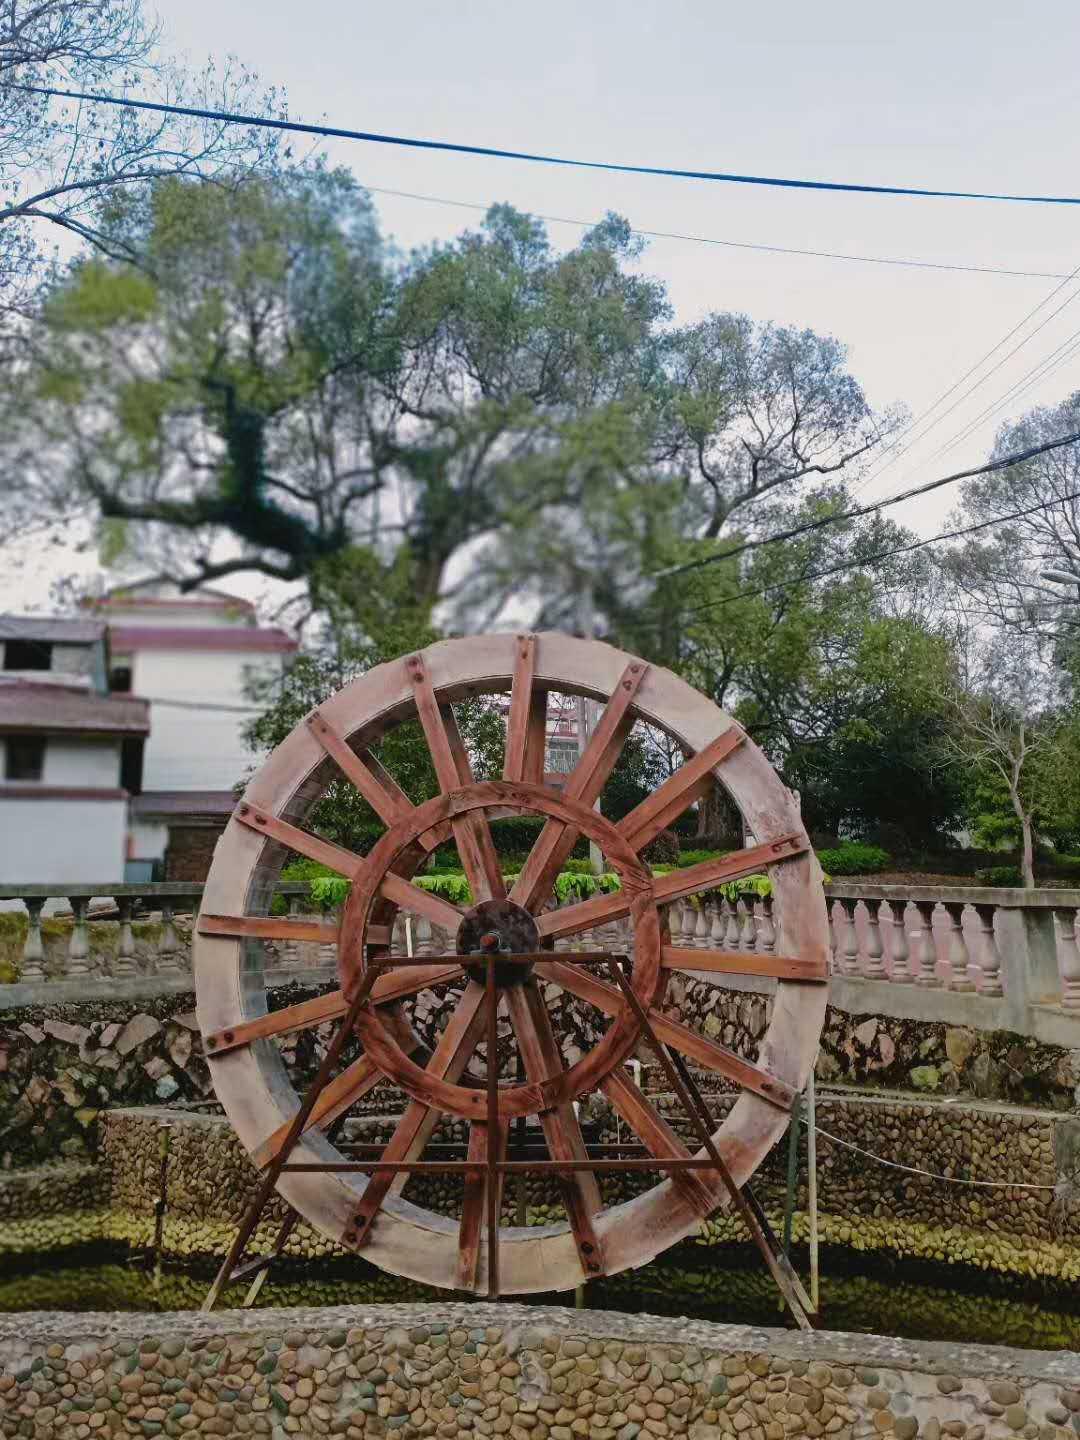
(1007, 1229)
(526, 1373)
(63, 1063)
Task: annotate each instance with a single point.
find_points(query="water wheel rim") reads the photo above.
(253, 1085)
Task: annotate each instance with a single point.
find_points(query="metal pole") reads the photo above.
(792, 1175)
(812, 1196)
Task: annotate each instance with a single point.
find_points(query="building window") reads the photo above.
(24, 757)
(131, 765)
(27, 655)
(120, 679)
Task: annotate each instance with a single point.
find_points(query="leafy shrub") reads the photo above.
(853, 858)
(695, 857)
(1000, 875)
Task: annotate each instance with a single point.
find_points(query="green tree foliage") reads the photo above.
(373, 615)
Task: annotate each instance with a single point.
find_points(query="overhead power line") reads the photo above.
(734, 244)
(889, 554)
(899, 447)
(1042, 371)
(495, 152)
(1005, 463)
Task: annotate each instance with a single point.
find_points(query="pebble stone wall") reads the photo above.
(529, 1374)
(1007, 1229)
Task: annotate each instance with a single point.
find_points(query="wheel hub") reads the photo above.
(502, 927)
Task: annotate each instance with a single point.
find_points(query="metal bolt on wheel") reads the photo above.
(500, 958)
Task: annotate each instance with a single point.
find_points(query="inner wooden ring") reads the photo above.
(647, 979)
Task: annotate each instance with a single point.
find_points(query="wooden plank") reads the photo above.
(344, 1090)
(474, 1202)
(689, 783)
(389, 804)
(452, 1053)
(736, 962)
(369, 775)
(517, 721)
(272, 927)
(699, 1048)
(452, 770)
(472, 833)
(657, 1136)
(536, 739)
(601, 908)
(542, 1058)
(322, 851)
(408, 896)
(394, 985)
(584, 784)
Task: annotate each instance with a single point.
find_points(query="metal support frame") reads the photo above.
(234, 1268)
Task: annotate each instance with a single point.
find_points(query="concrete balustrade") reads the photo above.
(993, 958)
(988, 958)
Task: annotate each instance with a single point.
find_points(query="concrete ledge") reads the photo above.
(523, 1371)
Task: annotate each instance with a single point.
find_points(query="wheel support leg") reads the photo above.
(753, 1216)
(299, 1120)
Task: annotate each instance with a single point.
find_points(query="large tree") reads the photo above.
(266, 383)
(1031, 518)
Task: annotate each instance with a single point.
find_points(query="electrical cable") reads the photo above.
(732, 244)
(494, 152)
(1053, 362)
(883, 555)
(929, 1174)
(918, 421)
(1005, 463)
(982, 381)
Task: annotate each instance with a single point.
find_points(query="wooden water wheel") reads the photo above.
(502, 953)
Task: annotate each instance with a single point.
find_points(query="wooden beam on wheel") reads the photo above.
(491, 999)
(776, 1263)
(296, 1129)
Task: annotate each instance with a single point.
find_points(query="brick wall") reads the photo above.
(191, 849)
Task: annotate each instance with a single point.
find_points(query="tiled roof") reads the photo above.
(184, 802)
(25, 705)
(126, 638)
(51, 628)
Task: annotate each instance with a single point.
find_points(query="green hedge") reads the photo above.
(853, 858)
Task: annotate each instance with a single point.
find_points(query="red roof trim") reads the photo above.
(26, 705)
(57, 792)
(125, 638)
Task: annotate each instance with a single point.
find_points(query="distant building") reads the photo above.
(190, 656)
(121, 733)
(70, 753)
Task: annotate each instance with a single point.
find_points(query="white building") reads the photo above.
(191, 658)
(122, 734)
(69, 753)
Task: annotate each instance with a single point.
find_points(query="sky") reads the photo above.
(969, 94)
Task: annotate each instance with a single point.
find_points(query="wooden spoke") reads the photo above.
(368, 774)
(388, 988)
(472, 834)
(453, 1052)
(602, 908)
(322, 851)
(584, 784)
(697, 1047)
(408, 896)
(736, 962)
(271, 927)
(344, 1090)
(542, 1059)
(657, 1136)
(521, 698)
(690, 782)
(474, 1202)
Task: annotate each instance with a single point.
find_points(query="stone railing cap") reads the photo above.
(1004, 897)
